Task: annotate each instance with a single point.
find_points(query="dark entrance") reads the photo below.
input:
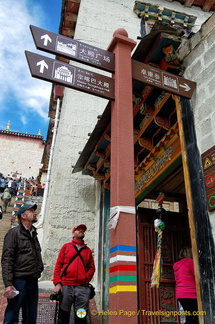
(175, 236)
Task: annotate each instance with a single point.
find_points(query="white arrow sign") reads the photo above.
(185, 86)
(42, 65)
(46, 39)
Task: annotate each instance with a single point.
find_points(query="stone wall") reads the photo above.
(198, 54)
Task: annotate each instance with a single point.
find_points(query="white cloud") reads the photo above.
(23, 119)
(15, 37)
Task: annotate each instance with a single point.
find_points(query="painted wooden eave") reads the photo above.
(94, 160)
(205, 5)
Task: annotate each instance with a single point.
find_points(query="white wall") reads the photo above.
(73, 198)
(21, 154)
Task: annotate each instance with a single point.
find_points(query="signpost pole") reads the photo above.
(123, 272)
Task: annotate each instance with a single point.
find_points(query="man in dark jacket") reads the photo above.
(21, 267)
(73, 271)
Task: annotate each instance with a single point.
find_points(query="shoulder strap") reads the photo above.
(72, 259)
(79, 253)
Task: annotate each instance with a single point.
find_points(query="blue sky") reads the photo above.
(24, 101)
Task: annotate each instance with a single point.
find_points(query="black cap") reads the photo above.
(24, 208)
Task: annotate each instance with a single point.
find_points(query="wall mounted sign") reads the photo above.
(208, 163)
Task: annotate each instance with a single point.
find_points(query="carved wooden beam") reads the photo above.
(146, 142)
(107, 185)
(100, 177)
(162, 122)
(107, 137)
(107, 164)
(207, 5)
(188, 3)
(100, 154)
(91, 167)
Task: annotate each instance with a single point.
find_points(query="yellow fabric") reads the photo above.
(156, 273)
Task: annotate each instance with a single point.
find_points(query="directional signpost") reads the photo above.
(70, 48)
(158, 78)
(77, 78)
(47, 69)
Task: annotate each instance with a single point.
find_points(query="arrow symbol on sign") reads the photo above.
(185, 86)
(42, 65)
(46, 39)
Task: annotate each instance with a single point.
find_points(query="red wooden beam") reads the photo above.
(188, 3)
(208, 4)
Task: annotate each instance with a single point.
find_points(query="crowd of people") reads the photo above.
(9, 187)
(10, 183)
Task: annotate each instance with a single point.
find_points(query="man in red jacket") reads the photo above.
(73, 271)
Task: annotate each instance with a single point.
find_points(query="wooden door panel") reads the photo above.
(175, 236)
(167, 303)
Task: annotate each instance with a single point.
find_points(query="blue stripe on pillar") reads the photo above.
(123, 248)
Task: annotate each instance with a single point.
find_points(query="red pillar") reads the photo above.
(123, 272)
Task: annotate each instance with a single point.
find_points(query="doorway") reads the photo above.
(156, 303)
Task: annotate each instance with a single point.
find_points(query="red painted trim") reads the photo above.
(123, 268)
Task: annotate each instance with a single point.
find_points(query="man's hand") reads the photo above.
(57, 288)
(8, 292)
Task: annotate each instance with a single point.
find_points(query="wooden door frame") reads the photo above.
(200, 228)
(174, 220)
